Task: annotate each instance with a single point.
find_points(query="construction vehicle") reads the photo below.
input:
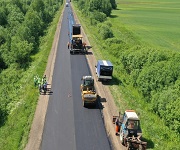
(75, 44)
(88, 92)
(104, 70)
(130, 133)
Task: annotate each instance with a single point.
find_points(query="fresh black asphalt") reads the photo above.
(68, 125)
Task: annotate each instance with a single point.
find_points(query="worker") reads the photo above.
(39, 85)
(44, 79)
(117, 125)
(131, 124)
(84, 44)
(68, 45)
(36, 80)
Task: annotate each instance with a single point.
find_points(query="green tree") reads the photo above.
(99, 5)
(113, 4)
(156, 77)
(166, 105)
(98, 16)
(3, 16)
(34, 25)
(38, 5)
(2, 35)
(25, 33)
(105, 31)
(14, 18)
(106, 7)
(81, 4)
(20, 51)
(19, 4)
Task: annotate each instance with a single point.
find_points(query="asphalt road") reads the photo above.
(68, 125)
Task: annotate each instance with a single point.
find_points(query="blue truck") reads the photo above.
(75, 44)
(104, 70)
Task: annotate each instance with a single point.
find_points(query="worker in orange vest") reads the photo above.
(117, 125)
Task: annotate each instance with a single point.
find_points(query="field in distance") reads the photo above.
(156, 22)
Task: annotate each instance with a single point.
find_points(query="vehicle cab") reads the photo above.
(87, 81)
(130, 125)
(88, 93)
(104, 70)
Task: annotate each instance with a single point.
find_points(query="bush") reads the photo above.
(158, 76)
(99, 16)
(112, 41)
(134, 59)
(166, 105)
(113, 3)
(2, 35)
(81, 4)
(108, 23)
(105, 31)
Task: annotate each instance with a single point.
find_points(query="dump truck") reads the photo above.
(75, 44)
(104, 70)
(88, 92)
(130, 133)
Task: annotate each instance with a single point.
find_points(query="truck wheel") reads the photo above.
(84, 104)
(95, 104)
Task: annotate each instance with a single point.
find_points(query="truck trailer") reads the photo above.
(75, 44)
(104, 70)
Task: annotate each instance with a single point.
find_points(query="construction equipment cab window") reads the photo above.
(88, 82)
(133, 124)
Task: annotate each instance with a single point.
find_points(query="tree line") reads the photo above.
(154, 72)
(22, 25)
(96, 10)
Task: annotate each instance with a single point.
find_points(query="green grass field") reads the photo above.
(156, 22)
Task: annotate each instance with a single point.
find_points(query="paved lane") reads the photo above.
(89, 128)
(68, 125)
